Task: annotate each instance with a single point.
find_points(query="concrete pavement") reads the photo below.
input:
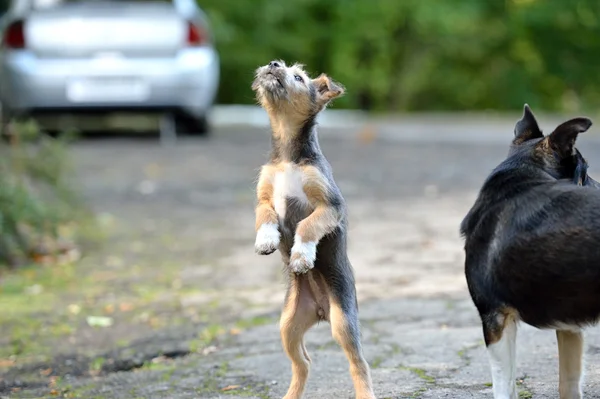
(190, 205)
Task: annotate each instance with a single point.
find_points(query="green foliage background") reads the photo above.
(408, 55)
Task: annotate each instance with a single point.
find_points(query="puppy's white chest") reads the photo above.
(288, 184)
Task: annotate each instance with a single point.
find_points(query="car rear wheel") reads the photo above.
(5, 134)
(188, 125)
(6, 127)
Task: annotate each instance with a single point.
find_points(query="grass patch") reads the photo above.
(213, 384)
(97, 363)
(24, 294)
(32, 289)
(418, 393)
(206, 337)
(328, 345)
(376, 363)
(255, 322)
(422, 374)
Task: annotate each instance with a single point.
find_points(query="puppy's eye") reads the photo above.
(298, 78)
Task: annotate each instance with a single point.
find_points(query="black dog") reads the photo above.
(533, 250)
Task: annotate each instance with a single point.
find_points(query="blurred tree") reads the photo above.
(420, 55)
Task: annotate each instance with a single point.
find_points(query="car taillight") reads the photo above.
(197, 36)
(14, 36)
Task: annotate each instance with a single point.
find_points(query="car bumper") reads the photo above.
(186, 82)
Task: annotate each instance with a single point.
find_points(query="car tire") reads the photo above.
(54, 133)
(188, 125)
(5, 136)
(5, 128)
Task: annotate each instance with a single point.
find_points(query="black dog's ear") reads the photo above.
(562, 139)
(580, 176)
(527, 128)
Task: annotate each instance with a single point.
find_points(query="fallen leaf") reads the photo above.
(94, 373)
(54, 392)
(125, 307)
(109, 308)
(74, 308)
(209, 350)
(152, 170)
(177, 284)
(230, 388)
(427, 243)
(114, 261)
(146, 187)
(154, 322)
(105, 219)
(99, 321)
(35, 289)
(46, 372)
(367, 135)
(235, 331)
(6, 362)
(137, 246)
(143, 317)
(41, 259)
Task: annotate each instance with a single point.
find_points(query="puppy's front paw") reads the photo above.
(303, 256)
(267, 239)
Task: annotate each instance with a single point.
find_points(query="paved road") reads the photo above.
(406, 196)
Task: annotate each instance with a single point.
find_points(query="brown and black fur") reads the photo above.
(310, 214)
(533, 250)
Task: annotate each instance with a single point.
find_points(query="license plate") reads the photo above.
(107, 90)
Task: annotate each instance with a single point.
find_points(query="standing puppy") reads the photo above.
(302, 213)
(533, 253)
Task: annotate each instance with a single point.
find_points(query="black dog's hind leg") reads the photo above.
(346, 331)
(570, 358)
(500, 333)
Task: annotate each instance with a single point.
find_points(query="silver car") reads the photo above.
(100, 56)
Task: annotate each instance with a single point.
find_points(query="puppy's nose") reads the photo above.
(274, 64)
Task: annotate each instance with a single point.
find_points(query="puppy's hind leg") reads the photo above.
(570, 358)
(500, 332)
(343, 315)
(298, 316)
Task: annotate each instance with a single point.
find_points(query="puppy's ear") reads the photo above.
(562, 139)
(527, 128)
(327, 89)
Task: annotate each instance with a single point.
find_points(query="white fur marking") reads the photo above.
(570, 382)
(287, 184)
(558, 325)
(502, 356)
(303, 255)
(267, 238)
